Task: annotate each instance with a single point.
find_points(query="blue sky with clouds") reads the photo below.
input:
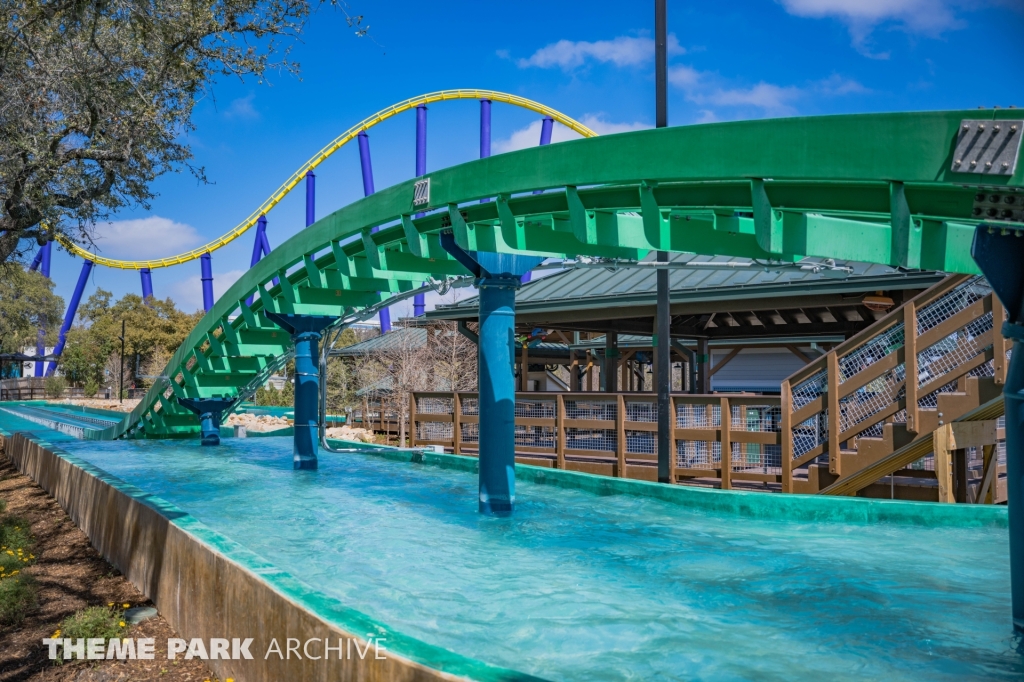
(593, 61)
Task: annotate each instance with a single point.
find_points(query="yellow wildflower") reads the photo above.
(125, 605)
(121, 623)
(110, 604)
(15, 572)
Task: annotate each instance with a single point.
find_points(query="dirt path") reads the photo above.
(71, 575)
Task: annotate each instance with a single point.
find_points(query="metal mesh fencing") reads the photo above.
(698, 454)
(590, 439)
(760, 418)
(470, 433)
(700, 416)
(810, 434)
(952, 302)
(438, 431)
(535, 437)
(435, 405)
(871, 352)
(864, 404)
(470, 406)
(641, 442)
(756, 458)
(535, 409)
(641, 411)
(809, 389)
(591, 409)
(953, 351)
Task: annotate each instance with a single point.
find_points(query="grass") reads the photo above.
(17, 589)
(92, 622)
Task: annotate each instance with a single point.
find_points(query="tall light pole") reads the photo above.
(663, 329)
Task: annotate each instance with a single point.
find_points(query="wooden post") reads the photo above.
(998, 341)
(943, 444)
(456, 423)
(960, 474)
(524, 373)
(833, 413)
(912, 381)
(703, 366)
(726, 440)
(559, 431)
(786, 435)
(990, 464)
(620, 433)
(574, 364)
(672, 441)
(367, 424)
(412, 420)
(590, 372)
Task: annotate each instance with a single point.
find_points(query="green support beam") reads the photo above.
(878, 188)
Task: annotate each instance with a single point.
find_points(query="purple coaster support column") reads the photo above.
(364, 162)
(207, 270)
(257, 247)
(69, 315)
(546, 125)
(419, 301)
(44, 270)
(310, 198)
(366, 165)
(485, 132)
(147, 283)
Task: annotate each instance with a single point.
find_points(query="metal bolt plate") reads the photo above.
(421, 192)
(988, 147)
(995, 205)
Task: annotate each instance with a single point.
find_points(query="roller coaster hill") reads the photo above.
(934, 191)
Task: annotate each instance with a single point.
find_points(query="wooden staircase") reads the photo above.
(947, 342)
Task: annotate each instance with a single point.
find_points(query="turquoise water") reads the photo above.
(580, 587)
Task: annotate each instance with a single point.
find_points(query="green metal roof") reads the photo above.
(588, 289)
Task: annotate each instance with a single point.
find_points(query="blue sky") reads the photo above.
(592, 61)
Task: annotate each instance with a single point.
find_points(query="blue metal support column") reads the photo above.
(497, 276)
(546, 126)
(209, 411)
(310, 198)
(306, 331)
(44, 269)
(366, 166)
(999, 252)
(147, 283)
(69, 316)
(419, 300)
(207, 278)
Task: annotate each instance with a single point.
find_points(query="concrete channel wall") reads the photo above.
(208, 586)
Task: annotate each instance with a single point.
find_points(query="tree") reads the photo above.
(97, 94)
(27, 304)
(151, 328)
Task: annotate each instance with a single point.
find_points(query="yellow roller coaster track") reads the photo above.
(320, 157)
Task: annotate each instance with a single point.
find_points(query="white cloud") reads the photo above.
(188, 292)
(772, 99)
(706, 116)
(684, 76)
(621, 51)
(708, 88)
(927, 17)
(144, 238)
(836, 85)
(242, 108)
(530, 135)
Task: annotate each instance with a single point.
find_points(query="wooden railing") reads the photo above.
(940, 339)
(724, 437)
